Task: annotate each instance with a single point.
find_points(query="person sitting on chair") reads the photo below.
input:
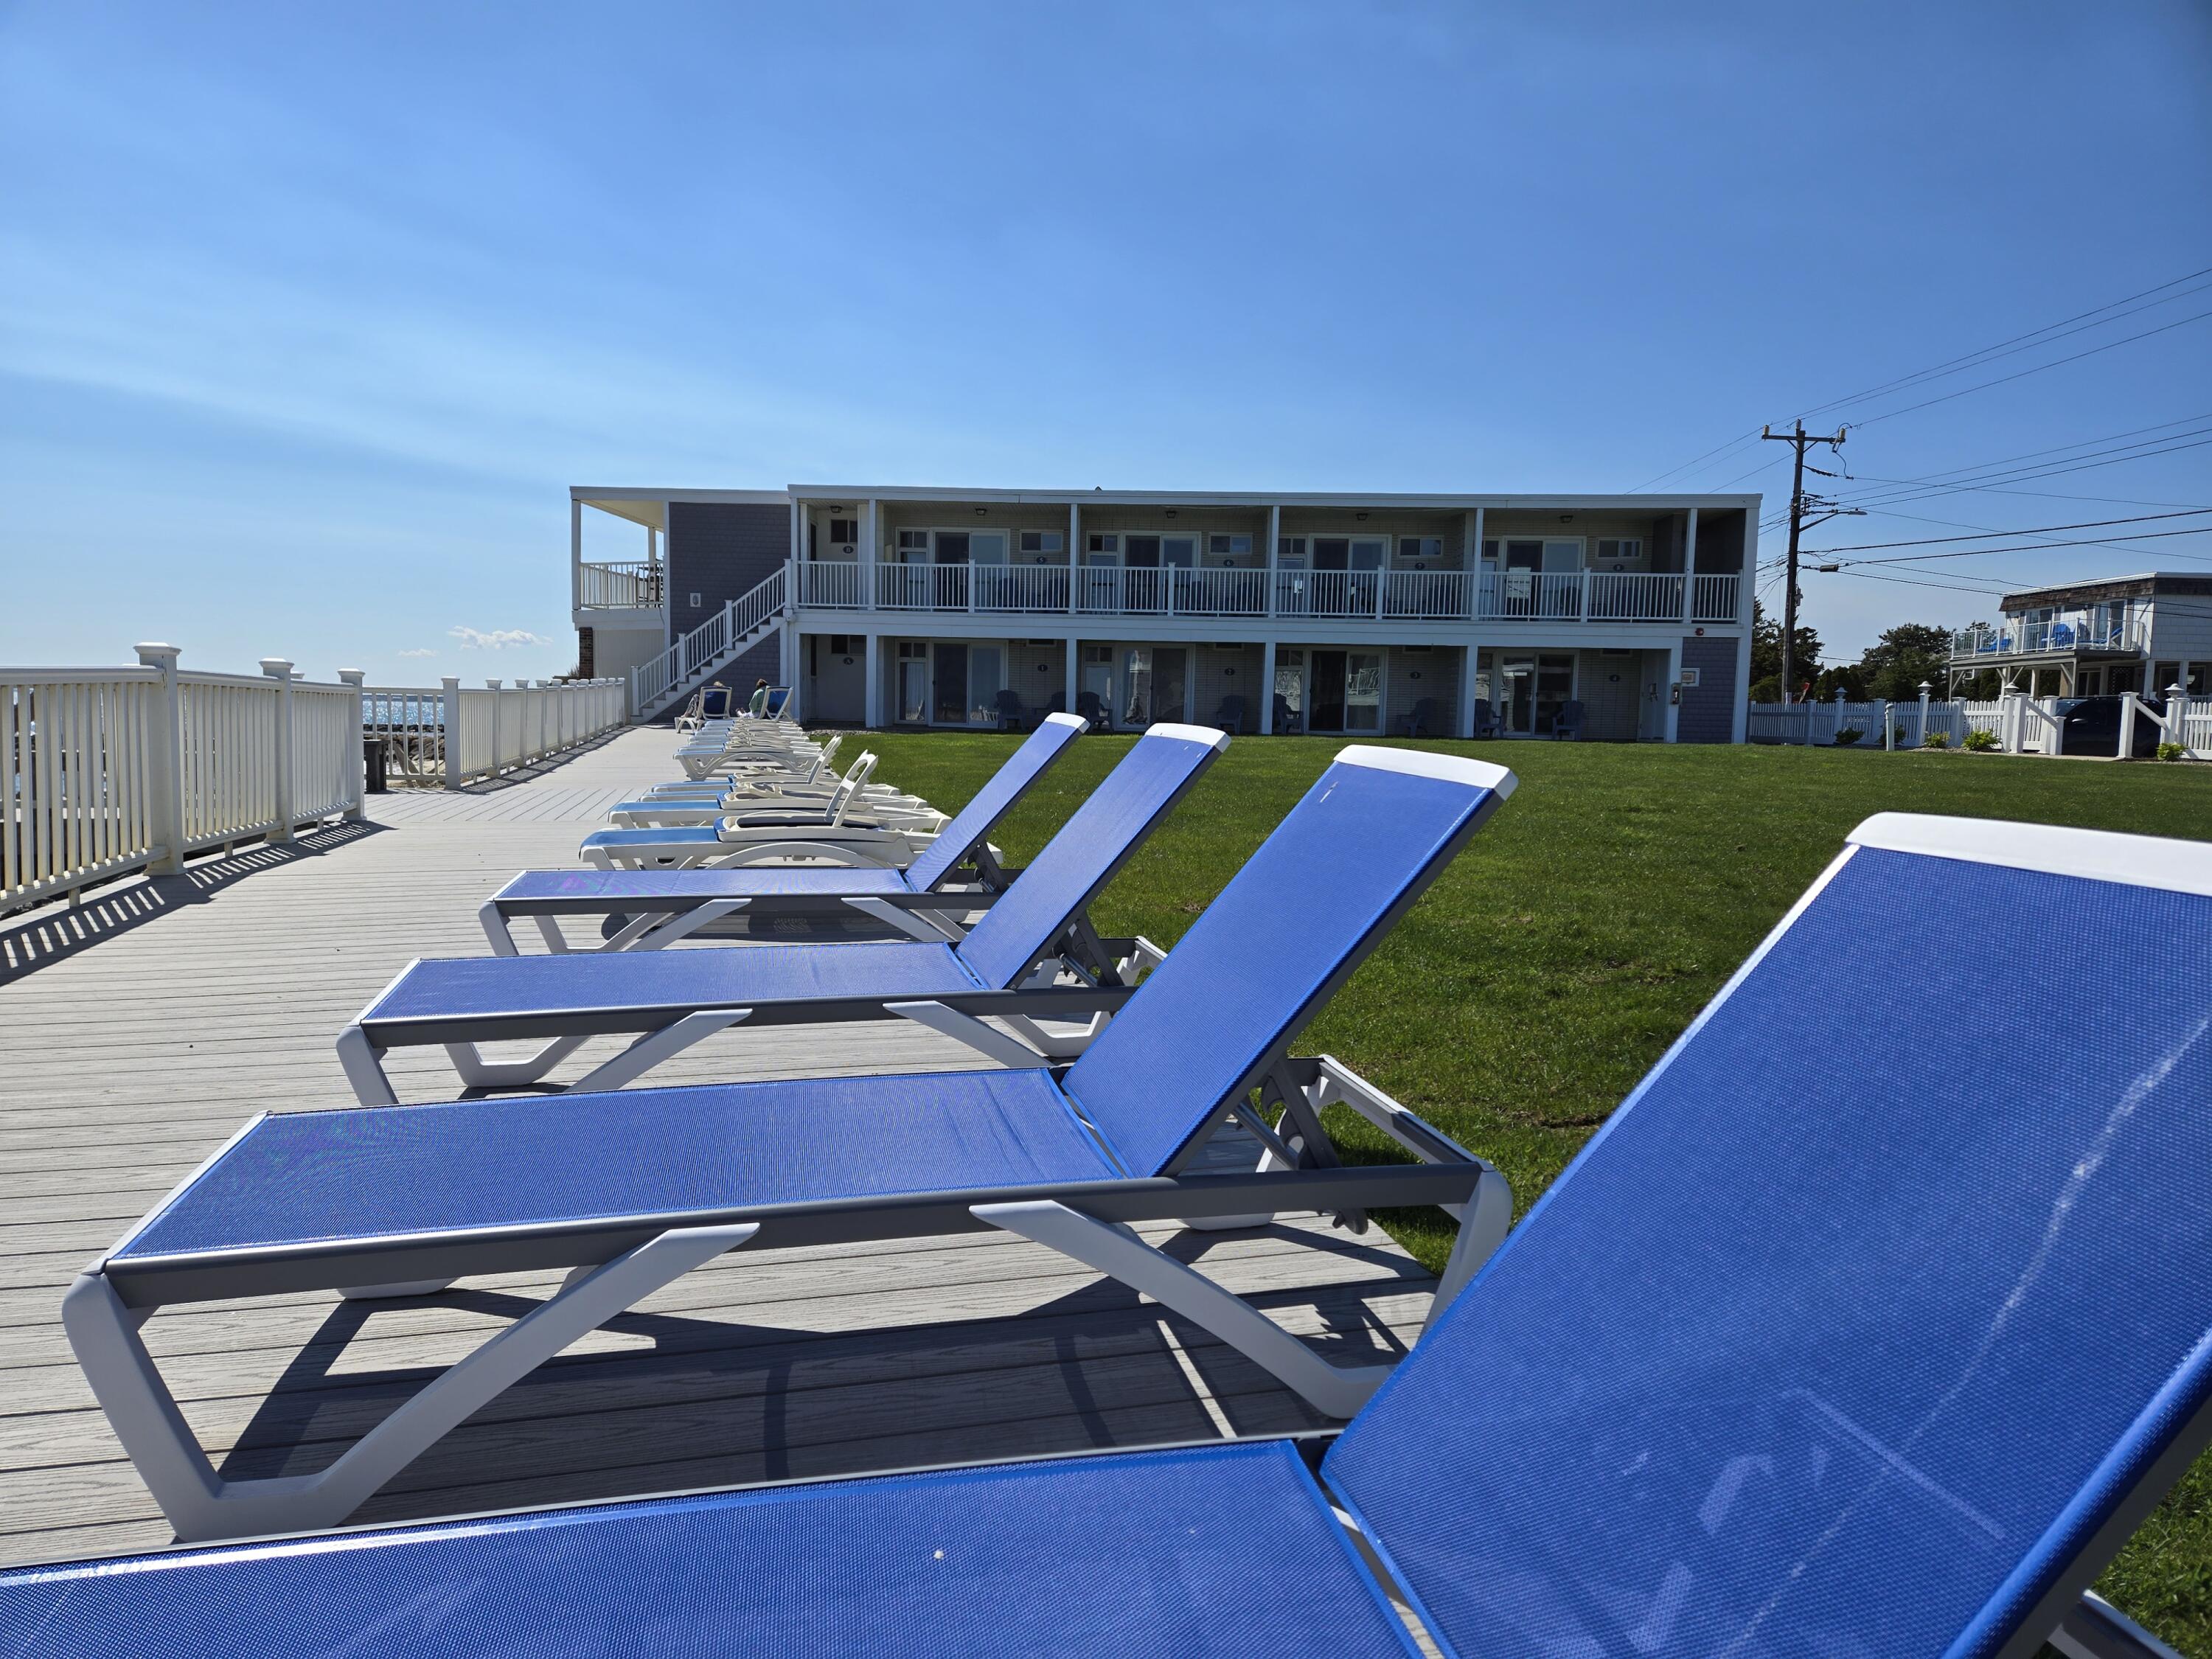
(758, 707)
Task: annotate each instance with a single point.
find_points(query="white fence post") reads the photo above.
(279, 669)
(2177, 715)
(165, 745)
(451, 721)
(358, 770)
(1920, 738)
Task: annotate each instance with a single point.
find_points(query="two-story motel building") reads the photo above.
(1337, 614)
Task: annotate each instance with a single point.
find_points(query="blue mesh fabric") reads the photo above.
(696, 835)
(373, 1172)
(1813, 1348)
(483, 985)
(974, 823)
(1082, 857)
(759, 881)
(1225, 1552)
(1253, 968)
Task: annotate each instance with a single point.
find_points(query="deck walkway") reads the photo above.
(137, 1030)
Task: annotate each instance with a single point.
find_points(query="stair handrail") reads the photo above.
(697, 655)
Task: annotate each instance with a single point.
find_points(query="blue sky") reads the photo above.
(309, 314)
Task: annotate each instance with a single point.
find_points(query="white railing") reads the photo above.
(1714, 598)
(1017, 586)
(484, 731)
(1539, 595)
(1633, 596)
(104, 771)
(1207, 591)
(653, 684)
(2020, 725)
(633, 585)
(2074, 633)
(834, 585)
(1430, 595)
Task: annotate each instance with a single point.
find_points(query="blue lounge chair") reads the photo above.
(956, 872)
(1008, 966)
(632, 1190)
(1835, 1340)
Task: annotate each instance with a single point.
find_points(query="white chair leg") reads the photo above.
(1334, 1390)
(651, 1049)
(915, 924)
(478, 1072)
(986, 1039)
(494, 928)
(357, 1056)
(201, 1506)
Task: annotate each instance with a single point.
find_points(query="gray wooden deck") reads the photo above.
(138, 1030)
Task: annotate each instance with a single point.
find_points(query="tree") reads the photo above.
(1895, 665)
(1766, 653)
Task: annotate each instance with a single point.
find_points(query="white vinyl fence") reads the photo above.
(2020, 725)
(107, 770)
(449, 736)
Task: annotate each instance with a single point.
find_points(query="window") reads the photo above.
(842, 531)
(1040, 541)
(1290, 550)
(1105, 545)
(913, 546)
(1619, 550)
(1224, 545)
(1417, 548)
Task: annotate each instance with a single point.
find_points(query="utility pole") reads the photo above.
(1797, 440)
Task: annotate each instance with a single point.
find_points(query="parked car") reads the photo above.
(2093, 727)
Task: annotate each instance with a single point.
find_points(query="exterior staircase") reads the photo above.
(660, 682)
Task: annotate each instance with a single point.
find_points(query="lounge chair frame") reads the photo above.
(614, 1262)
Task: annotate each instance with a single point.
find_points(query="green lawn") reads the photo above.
(1552, 963)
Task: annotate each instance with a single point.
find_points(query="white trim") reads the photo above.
(1211, 735)
(1061, 718)
(1425, 764)
(2178, 866)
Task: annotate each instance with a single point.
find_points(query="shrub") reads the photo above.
(2171, 751)
(1980, 738)
(1848, 735)
(1936, 740)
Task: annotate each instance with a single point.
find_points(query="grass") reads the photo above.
(1560, 954)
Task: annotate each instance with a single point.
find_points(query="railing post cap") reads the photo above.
(278, 668)
(155, 654)
(451, 682)
(353, 676)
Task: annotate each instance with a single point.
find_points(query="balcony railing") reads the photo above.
(2020, 639)
(634, 585)
(1175, 591)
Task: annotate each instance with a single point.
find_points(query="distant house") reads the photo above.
(2092, 638)
(1351, 615)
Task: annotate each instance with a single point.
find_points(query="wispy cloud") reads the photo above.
(498, 640)
(423, 651)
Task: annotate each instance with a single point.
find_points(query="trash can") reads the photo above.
(371, 758)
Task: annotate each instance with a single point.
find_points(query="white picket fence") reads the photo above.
(107, 770)
(2020, 725)
(451, 736)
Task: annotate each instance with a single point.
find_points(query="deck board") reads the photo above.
(140, 1028)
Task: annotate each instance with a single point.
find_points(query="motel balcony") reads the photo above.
(1377, 595)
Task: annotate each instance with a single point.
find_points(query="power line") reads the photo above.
(2057, 331)
(2021, 475)
(2027, 530)
(1956, 365)
(2055, 362)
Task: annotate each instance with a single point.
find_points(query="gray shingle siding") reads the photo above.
(721, 550)
(1709, 706)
